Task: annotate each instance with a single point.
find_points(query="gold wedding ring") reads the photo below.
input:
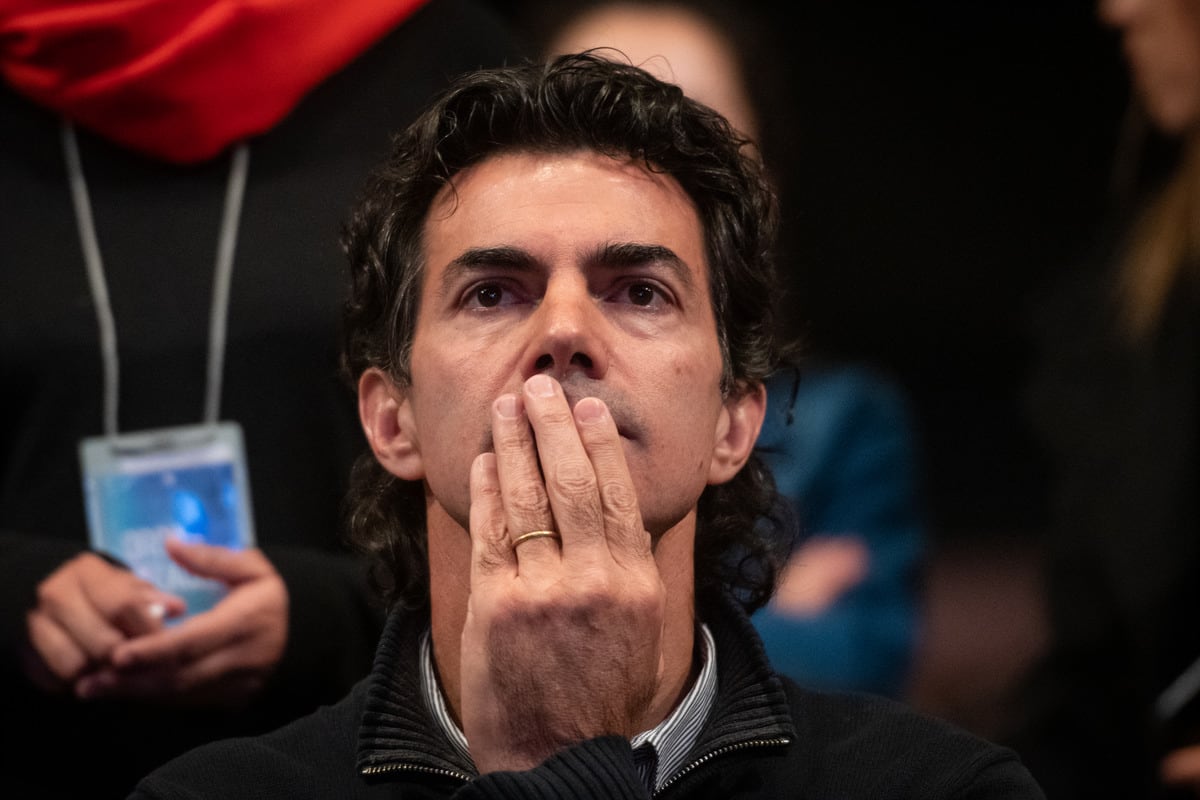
(525, 537)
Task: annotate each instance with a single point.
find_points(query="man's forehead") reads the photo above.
(546, 166)
(583, 199)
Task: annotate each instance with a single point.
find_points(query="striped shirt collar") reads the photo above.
(671, 740)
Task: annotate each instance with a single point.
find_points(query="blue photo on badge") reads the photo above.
(188, 483)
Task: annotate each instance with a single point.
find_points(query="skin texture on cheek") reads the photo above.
(682, 442)
(449, 415)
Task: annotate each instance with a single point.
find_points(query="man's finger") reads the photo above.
(491, 549)
(570, 479)
(625, 533)
(526, 507)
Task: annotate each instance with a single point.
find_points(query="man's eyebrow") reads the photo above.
(613, 255)
(476, 259)
(632, 254)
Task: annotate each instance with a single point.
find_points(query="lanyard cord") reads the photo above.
(222, 277)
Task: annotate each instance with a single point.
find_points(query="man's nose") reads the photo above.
(567, 335)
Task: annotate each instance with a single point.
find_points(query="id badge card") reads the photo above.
(188, 482)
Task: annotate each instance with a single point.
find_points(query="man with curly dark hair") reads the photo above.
(559, 325)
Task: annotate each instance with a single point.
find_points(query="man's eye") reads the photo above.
(641, 294)
(489, 296)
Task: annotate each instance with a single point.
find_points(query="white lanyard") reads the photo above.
(222, 274)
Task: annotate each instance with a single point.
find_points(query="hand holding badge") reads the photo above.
(201, 614)
(187, 483)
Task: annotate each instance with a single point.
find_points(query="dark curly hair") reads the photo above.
(575, 102)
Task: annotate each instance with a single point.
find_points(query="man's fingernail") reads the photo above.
(157, 610)
(589, 409)
(540, 386)
(506, 406)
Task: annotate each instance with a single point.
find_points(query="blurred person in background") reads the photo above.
(1112, 707)
(135, 131)
(838, 437)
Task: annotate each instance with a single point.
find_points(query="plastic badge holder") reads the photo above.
(188, 482)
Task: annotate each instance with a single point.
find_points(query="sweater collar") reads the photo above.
(182, 80)
(398, 731)
(751, 704)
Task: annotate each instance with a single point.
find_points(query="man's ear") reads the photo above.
(737, 431)
(386, 415)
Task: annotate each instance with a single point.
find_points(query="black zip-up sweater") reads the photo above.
(765, 738)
